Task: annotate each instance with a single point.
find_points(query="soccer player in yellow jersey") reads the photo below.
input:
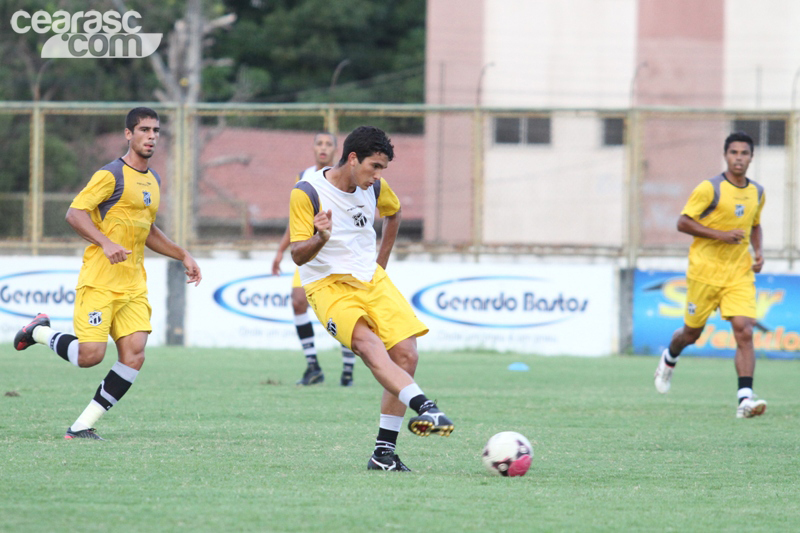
(331, 217)
(324, 152)
(724, 216)
(115, 212)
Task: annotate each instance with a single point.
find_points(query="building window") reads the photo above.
(507, 131)
(531, 130)
(538, 130)
(613, 131)
(774, 131)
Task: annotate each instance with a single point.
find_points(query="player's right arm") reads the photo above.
(698, 202)
(308, 232)
(82, 223)
(284, 244)
(99, 189)
(688, 225)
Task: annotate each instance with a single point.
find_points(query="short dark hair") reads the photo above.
(331, 135)
(738, 136)
(365, 141)
(137, 114)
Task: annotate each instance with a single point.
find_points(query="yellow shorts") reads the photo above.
(100, 312)
(296, 284)
(339, 305)
(703, 299)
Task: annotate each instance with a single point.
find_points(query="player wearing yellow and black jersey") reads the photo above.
(724, 216)
(324, 153)
(331, 218)
(116, 213)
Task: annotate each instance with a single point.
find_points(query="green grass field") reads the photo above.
(222, 440)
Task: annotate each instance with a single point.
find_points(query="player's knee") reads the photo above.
(690, 335)
(90, 354)
(133, 360)
(299, 304)
(406, 357)
(743, 332)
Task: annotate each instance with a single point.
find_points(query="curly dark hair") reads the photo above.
(365, 141)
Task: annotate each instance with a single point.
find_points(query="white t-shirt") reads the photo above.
(352, 247)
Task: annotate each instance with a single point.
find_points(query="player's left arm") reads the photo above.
(756, 238)
(160, 243)
(389, 208)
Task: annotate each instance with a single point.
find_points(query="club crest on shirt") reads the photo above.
(95, 318)
(360, 219)
(331, 327)
(739, 210)
(146, 198)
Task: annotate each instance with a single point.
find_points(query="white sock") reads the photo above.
(745, 392)
(73, 351)
(391, 422)
(301, 319)
(43, 334)
(408, 392)
(89, 416)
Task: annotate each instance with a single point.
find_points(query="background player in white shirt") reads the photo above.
(324, 153)
(333, 241)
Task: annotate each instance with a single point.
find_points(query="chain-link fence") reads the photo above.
(522, 181)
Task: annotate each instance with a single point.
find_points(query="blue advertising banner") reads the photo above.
(659, 299)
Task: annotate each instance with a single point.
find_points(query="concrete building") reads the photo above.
(557, 173)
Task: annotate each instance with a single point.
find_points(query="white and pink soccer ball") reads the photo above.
(507, 454)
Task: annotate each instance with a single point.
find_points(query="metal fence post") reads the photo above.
(477, 180)
(790, 240)
(632, 207)
(36, 187)
(176, 287)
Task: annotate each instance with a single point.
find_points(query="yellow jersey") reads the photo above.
(122, 203)
(719, 204)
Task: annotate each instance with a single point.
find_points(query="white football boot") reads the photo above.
(750, 407)
(663, 376)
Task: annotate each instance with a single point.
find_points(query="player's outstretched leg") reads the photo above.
(65, 345)
(429, 420)
(24, 337)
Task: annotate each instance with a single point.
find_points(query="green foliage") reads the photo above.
(222, 440)
(281, 51)
(300, 43)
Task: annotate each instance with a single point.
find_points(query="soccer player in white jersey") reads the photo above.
(324, 153)
(333, 241)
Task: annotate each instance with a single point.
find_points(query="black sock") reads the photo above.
(60, 344)
(114, 387)
(386, 441)
(746, 383)
(420, 404)
(306, 334)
